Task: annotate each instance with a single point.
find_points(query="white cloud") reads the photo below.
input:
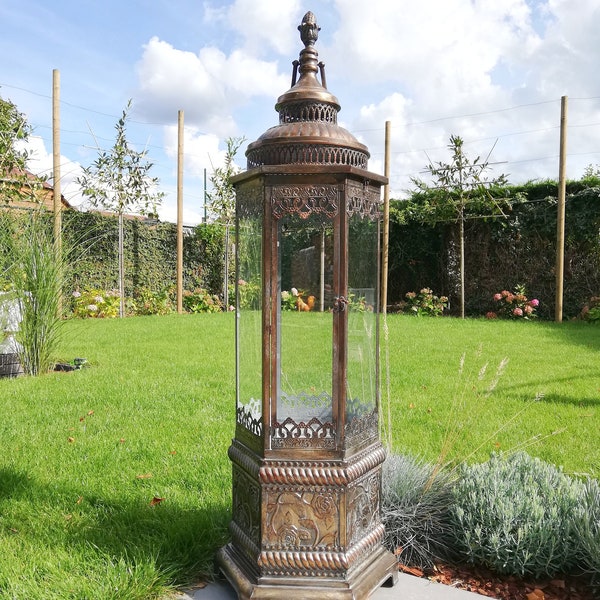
(207, 86)
(40, 162)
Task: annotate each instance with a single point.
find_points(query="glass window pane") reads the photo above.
(305, 319)
(362, 318)
(249, 324)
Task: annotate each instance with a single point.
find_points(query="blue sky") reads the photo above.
(492, 72)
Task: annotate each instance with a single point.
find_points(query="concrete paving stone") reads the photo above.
(407, 588)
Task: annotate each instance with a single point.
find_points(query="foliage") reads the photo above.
(14, 129)
(200, 301)
(289, 300)
(149, 255)
(456, 185)
(591, 310)
(35, 271)
(513, 305)
(588, 530)
(415, 500)
(249, 293)
(222, 198)
(97, 304)
(147, 302)
(425, 303)
(516, 247)
(517, 515)
(119, 181)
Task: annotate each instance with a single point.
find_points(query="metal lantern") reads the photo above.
(307, 455)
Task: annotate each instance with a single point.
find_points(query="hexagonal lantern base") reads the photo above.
(308, 527)
(382, 568)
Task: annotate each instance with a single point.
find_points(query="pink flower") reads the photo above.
(517, 312)
(528, 309)
(535, 302)
(491, 315)
(497, 297)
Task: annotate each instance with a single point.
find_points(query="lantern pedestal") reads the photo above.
(309, 527)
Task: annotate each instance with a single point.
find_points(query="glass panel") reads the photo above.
(249, 324)
(362, 317)
(305, 320)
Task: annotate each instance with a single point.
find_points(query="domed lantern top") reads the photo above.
(308, 132)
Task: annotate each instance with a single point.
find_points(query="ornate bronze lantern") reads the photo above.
(307, 455)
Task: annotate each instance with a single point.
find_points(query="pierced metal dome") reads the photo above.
(308, 132)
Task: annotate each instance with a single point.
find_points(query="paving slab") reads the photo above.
(407, 588)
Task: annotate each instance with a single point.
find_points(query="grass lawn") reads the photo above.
(115, 481)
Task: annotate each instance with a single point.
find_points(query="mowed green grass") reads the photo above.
(115, 481)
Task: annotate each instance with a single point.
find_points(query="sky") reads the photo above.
(490, 71)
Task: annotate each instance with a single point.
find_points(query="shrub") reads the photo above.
(513, 305)
(96, 304)
(200, 301)
(588, 531)
(147, 302)
(425, 303)
(250, 294)
(415, 510)
(591, 310)
(517, 515)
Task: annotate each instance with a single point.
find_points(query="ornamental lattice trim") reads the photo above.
(305, 200)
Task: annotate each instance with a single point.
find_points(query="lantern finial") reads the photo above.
(309, 30)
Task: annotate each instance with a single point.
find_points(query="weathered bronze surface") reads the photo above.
(306, 490)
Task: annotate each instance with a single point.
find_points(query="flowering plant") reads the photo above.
(201, 301)
(513, 305)
(591, 310)
(426, 303)
(96, 303)
(289, 299)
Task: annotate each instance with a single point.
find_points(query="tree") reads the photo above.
(461, 183)
(119, 181)
(222, 199)
(14, 128)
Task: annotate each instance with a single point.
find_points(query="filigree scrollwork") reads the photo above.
(363, 201)
(250, 198)
(246, 505)
(306, 154)
(363, 507)
(302, 520)
(308, 111)
(249, 415)
(314, 433)
(304, 201)
(363, 426)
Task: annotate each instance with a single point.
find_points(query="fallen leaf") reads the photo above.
(156, 500)
(411, 405)
(173, 452)
(81, 419)
(70, 439)
(559, 583)
(68, 517)
(122, 441)
(144, 476)
(537, 594)
(90, 413)
(79, 500)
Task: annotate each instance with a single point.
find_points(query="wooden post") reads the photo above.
(56, 192)
(386, 222)
(180, 212)
(560, 219)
